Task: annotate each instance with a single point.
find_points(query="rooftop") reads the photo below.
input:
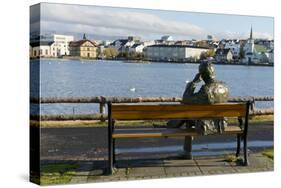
(177, 46)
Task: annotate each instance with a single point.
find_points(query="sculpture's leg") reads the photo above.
(187, 147)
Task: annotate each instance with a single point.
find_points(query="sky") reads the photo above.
(110, 22)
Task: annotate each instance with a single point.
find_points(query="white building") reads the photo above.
(224, 55)
(43, 49)
(136, 48)
(234, 46)
(61, 43)
(271, 56)
(249, 50)
(173, 52)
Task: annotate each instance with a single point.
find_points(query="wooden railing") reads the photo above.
(101, 100)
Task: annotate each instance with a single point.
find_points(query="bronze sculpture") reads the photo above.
(211, 92)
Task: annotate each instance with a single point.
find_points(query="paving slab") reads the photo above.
(181, 167)
(146, 171)
(214, 166)
(257, 163)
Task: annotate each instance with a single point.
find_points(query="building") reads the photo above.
(124, 45)
(83, 48)
(249, 49)
(224, 55)
(265, 42)
(234, 46)
(167, 38)
(271, 56)
(134, 38)
(138, 48)
(173, 52)
(42, 49)
(61, 43)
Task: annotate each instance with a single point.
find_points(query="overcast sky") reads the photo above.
(148, 24)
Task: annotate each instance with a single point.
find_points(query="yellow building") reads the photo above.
(83, 48)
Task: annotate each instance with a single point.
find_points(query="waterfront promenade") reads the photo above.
(86, 147)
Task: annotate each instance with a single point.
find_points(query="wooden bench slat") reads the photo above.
(139, 133)
(176, 111)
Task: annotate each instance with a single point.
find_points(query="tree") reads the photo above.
(242, 53)
(110, 52)
(203, 55)
(211, 53)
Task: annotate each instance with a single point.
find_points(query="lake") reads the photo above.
(61, 77)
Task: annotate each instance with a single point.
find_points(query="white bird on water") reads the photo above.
(133, 89)
(186, 81)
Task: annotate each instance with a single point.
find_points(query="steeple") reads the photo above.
(251, 34)
(84, 37)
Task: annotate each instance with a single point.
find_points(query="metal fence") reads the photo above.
(101, 100)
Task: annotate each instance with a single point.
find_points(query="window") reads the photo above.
(40, 51)
(88, 49)
(34, 53)
(46, 52)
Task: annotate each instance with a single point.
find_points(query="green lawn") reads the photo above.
(95, 123)
(269, 153)
(260, 48)
(57, 173)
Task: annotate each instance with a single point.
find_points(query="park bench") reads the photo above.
(132, 112)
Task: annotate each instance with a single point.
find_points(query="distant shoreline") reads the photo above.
(147, 61)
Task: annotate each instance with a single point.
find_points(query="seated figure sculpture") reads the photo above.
(211, 92)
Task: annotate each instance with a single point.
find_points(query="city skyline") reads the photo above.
(109, 22)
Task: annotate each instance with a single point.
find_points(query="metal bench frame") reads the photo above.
(240, 137)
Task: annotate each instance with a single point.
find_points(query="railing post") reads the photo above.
(102, 108)
(102, 111)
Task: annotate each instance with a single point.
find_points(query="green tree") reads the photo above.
(242, 53)
(211, 53)
(110, 52)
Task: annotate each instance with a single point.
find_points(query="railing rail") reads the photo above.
(101, 100)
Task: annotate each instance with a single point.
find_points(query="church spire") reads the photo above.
(84, 37)
(251, 34)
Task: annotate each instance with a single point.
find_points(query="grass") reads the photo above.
(57, 173)
(95, 123)
(269, 153)
(260, 48)
(231, 158)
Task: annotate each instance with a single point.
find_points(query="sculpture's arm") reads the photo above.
(189, 96)
(200, 97)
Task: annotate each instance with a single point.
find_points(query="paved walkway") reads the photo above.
(134, 169)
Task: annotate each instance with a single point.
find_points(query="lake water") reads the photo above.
(117, 78)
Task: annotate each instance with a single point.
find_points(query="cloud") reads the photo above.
(109, 21)
(243, 35)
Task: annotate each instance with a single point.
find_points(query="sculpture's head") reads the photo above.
(207, 71)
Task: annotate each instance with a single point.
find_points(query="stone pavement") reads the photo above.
(135, 169)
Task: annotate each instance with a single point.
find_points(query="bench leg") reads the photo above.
(113, 148)
(238, 145)
(110, 157)
(245, 147)
(188, 147)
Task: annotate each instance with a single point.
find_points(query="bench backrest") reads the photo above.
(176, 111)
